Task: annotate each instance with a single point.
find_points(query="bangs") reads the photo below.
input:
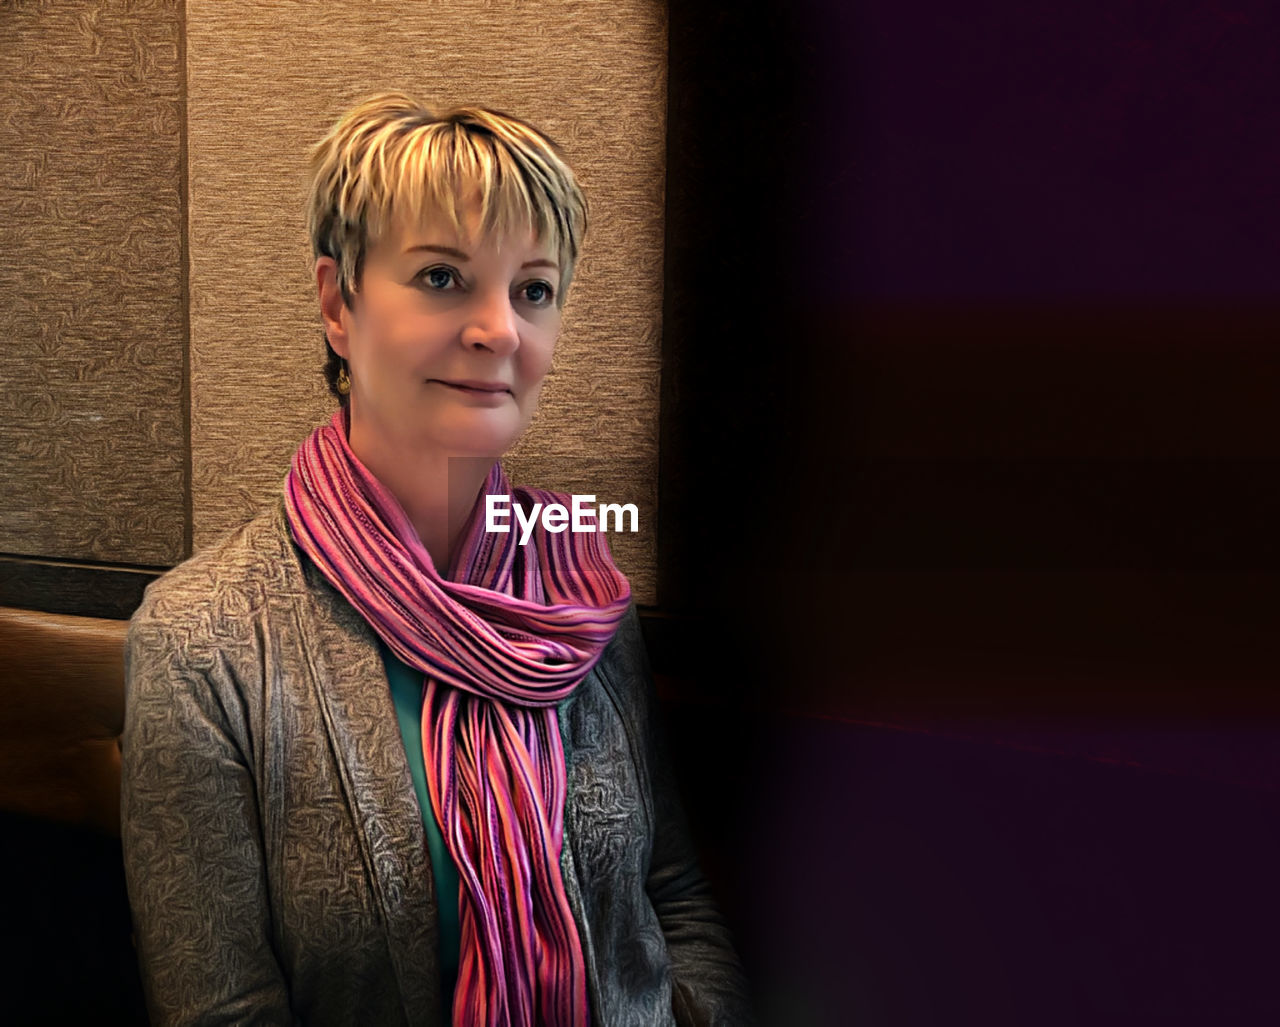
(442, 168)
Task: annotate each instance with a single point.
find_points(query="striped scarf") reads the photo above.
(499, 648)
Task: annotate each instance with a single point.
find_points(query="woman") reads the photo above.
(380, 766)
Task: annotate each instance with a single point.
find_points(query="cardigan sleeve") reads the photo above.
(192, 844)
(709, 986)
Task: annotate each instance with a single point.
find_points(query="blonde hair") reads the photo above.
(390, 154)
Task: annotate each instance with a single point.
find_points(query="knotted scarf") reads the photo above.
(499, 647)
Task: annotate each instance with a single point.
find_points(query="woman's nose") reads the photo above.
(491, 324)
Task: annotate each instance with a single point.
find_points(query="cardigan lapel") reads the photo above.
(351, 686)
(568, 868)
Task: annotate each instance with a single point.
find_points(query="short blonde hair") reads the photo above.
(389, 153)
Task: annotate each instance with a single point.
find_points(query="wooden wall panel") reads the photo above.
(265, 81)
(92, 432)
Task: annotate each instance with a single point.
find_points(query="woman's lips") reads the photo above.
(492, 392)
(474, 385)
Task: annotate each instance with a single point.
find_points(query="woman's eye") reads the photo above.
(539, 293)
(438, 277)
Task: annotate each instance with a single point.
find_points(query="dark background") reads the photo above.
(968, 503)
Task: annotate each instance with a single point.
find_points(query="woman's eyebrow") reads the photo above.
(450, 251)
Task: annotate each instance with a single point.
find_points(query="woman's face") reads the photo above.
(449, 337)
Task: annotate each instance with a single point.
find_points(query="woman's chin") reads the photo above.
(476, 440)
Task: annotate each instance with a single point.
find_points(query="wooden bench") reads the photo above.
(66, 940)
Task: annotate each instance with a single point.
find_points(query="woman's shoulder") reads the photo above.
(624, 667)
(219, 588)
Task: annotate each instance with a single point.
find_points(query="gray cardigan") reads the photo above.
(274, 849)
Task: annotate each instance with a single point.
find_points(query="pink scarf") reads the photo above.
(499, 648)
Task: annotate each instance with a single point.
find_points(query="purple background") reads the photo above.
(978, 306)
(1001, 150)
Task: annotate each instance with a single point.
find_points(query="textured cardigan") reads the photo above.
(274, 849)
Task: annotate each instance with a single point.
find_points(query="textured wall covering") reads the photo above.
(265, 81)
(92, 449)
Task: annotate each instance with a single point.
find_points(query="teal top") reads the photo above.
(406, 693)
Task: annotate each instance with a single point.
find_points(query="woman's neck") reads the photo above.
(436, 490)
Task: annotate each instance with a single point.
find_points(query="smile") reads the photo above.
(491, 392)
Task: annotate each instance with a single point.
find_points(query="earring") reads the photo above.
(344, 382)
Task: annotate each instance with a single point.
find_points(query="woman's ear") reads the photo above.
(333, 308)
